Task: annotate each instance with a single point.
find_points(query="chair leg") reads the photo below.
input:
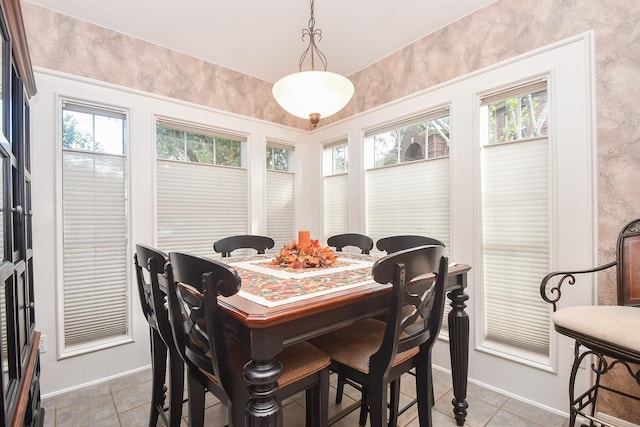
(424, 392)
(340, 389)
(196, 400)
(364, 406)
(573, 411)
(317, 402)
(377, 404)
(176, 388)
(159, 370)
(394, 403)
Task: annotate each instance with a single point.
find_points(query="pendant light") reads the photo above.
(315, 93)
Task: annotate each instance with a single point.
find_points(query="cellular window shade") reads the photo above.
(516, 236)
(198, 204)
(94, 247)
(410, 198)
(280, 207)
(336, 205)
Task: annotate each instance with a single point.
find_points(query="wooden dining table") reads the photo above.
(277, 307)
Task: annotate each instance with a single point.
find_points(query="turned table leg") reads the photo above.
(459, 350)
(263, 408)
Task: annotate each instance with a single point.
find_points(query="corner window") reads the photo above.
(202, 186)
(280, 194)
(335, 164)
(516, 219)
(400, 159)
(94, 226)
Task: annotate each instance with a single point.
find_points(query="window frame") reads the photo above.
(206, 169)
(63, 351)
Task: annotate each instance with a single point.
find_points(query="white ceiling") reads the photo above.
(262, 38)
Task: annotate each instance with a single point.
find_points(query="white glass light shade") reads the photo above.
(313, 92)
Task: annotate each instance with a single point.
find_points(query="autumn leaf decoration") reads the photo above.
(305, 256)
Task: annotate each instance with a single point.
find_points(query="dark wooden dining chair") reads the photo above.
(149, 265)
(390, 245)
(375, 353)
(610, 333)
(245, 241)
(360, 241)
(215, 362)
(393, 244)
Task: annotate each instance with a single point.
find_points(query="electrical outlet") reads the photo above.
(42, 345)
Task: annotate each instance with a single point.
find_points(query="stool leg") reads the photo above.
(573, 412)
(159, 370)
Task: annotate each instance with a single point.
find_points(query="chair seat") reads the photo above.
(613, 328)
(353, 345)
(298, 361)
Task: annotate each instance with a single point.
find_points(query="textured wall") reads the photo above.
(500, 31)
(59, 42)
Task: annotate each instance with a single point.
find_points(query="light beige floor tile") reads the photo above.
(136, 378)
(94, 411)
(132, 397)
(507, 419)
(534, 413)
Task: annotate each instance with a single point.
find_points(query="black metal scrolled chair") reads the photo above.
(375, 353)
(245, 241)
(215, 362)
(610, 333)
(360, 241)
(149, 265)
(393, 244)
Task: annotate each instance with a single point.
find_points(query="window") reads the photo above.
(201, 186)
(400, 160)
(515, 216)
(94, 215)
(280, 193)
(335, 161)
(197, 146)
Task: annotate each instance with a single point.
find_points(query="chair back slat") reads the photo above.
(149, 264)
(393, 244)
(629, 264)
(360, 241)
(245, 241)
(418, 276)
(194, 286)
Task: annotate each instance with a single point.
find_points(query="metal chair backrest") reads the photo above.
(628, 270)
(245, 241)
(393, 244)
(340, 241)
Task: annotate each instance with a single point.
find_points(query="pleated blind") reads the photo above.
(280, 193)
(516, 239)
(94, 247)
(410, 198)
(336, 204)
(198, 204)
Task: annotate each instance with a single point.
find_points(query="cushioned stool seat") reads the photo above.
(605, 326)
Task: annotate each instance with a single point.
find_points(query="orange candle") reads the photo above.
(304, 237)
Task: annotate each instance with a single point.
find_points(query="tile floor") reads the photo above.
(124, 402)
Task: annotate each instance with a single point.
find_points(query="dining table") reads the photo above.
(278, 306)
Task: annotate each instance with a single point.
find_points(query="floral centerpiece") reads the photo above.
(311, 255)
